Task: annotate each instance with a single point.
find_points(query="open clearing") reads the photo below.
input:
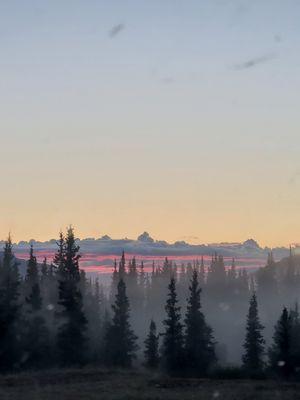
(92, 384)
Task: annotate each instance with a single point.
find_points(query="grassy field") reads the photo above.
(92, 384)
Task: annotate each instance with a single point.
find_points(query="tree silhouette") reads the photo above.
(280, 351)
(32, 275)
(36, 351)
(71, 338)
(151, 347)
(172, 348)
(199, 342)
(295, 342)
(254, 342)
(9, 310)
(120, 339)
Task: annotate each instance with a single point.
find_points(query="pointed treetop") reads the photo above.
(31, 256)
(8, 256)
(270, 261)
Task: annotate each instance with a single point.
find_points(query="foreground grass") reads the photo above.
(92, 384)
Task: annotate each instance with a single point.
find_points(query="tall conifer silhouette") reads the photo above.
(254, 342)
(151, 347)
(280, 353)
(120, 338)
(9, 310)
(71, 337)
(199, 342)
(36, 351)
(172, 348)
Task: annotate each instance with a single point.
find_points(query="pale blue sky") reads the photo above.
(157, 128)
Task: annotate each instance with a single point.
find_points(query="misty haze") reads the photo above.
(150, 232)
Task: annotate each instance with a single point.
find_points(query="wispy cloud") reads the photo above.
(255, 61)
(115, 30)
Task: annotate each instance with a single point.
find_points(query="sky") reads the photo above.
(176, 117)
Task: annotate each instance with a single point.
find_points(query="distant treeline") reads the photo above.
(55, 316)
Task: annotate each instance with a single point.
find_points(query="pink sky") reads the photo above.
(92, 262)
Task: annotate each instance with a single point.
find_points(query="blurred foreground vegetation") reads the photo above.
(94, 384)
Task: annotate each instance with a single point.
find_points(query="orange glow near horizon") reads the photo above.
(162, 128)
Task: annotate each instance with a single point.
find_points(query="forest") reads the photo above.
(187, 321)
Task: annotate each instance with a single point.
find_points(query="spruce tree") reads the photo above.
(49, 291)
(44, 275)
(33, 296)
(32, 275)
(172, 348)
(151, 347)
(114, 282)
(267, 284)
(280, 352)
(36, 352)
(132, 286)
(202, 273)
(142, 277)
(295, 338)
(59, 257)
(9, 310)
(198, 338)
(120, 339)
(253, 362)
(71, 338)
(122, 267)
